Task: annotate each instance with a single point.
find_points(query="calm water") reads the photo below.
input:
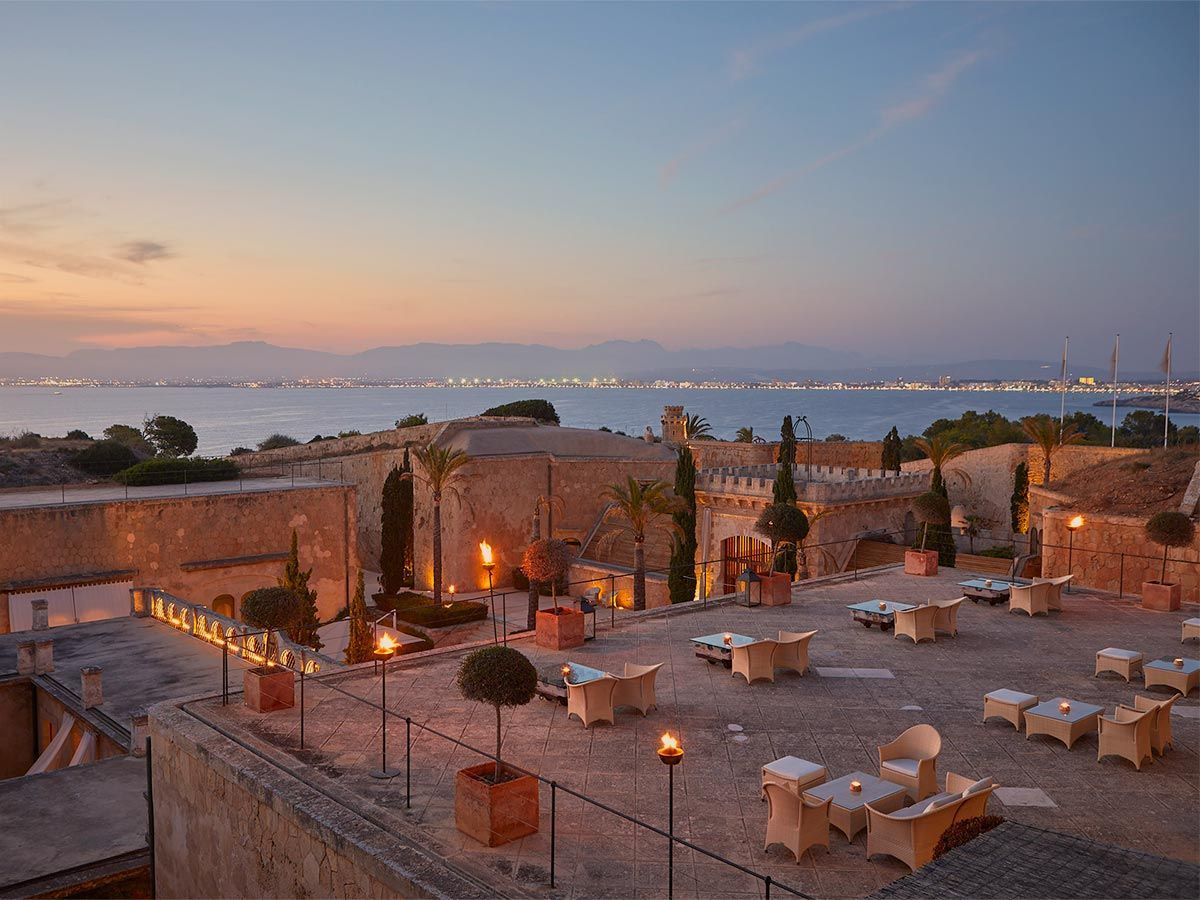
(229, 417)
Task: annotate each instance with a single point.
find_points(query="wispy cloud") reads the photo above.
(745, 61)
(934, 88)
(142, 252)
(698, 148)
(28, 218)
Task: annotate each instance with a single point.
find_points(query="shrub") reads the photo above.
(28, 440)
(1169, 529)
(240, 451)
(433, 615)
(104, 459)
(131, 437)
(1007, 551)
(178, 471)
(315, 439)
(546, 561)
(77, 434)
(412, 421)
(542, 410)
(498, 676)
(353, 432)
(967, 830)
(274, 608)
(835, 438)
(931, 508)
(170, 436)
(277, 441)
(784, 525)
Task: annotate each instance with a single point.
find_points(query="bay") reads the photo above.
(230, 417)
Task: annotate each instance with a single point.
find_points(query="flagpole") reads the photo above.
(1116, 360)
(1167, 403)
(1062, 411)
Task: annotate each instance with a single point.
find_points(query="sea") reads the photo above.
(228, 417)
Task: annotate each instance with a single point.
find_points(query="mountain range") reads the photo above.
(637, 360)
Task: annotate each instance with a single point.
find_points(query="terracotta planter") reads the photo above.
(266, 689)
(920, 562)
(777, 589)
(559, 630)
(495, 814)
(1164, 597)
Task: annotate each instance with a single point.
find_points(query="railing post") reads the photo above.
(553, 826)
(407, 762)
(302, 668)
(225, 670)
(1121, 583)
(63, 489)
(150, 814)
(185, 482)
(767, 885)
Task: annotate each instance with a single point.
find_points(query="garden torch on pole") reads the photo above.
(489, 563)
(384, 651)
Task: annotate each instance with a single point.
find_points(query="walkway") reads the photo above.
(107, 493)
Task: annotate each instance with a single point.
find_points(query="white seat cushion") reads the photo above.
(924, 806)
(980, 785)
(903, 766)
(1016, 698)
(1118, 653)
(1191, 621)
(795, 769)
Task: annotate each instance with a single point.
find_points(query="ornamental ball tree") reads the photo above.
(785, 525)
(931, 508)
(272, 608)
(546, 561)
(498, 676)
(1170, 529)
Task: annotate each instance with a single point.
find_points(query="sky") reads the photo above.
(909, 181)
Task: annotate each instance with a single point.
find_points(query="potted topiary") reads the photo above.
(546, 560)
(492, 803)
(931, 508)
(1168, 529)
(786, 525)
(270, 686)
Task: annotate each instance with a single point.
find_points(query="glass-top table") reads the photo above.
(1184, 678)
(552, 684)
(848, 813)
(993, 590)
(713, 647)
(877, 612)
(1048, 718)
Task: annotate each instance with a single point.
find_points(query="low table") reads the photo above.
(848, 812)
(713, 647)
(977, 589)
(1008, 704)
(870, 614)
(552, 686)
(1047, 718)
(1184, 679)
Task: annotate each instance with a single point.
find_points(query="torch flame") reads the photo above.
(451, 589)
(386, 643)
(1076, 522)
(486, 550)
(669, 742)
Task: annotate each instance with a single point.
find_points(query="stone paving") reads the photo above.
(837, 719)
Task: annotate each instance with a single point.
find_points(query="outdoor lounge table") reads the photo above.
(978, 589)
(713, 647)
(869, 613)
(1047, 718)
(848, 812)
(552, 686)
(1184, 679)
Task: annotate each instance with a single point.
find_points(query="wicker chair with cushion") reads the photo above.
(911, 760)
(975, 794)
(1030, 599)
(795, 822)
(592, 701)
(1160, 730)
(946, 620)
(755, 661)
(910, 834)
(916, 623)
(792, 650)
(1126, 733)
(636, 687)
(1054, 595)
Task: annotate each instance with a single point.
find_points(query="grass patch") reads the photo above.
(417, 609)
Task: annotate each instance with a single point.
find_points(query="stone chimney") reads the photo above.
(674, 425)
(139, 730)
(43, 657)
(41, 613)
(25, 658)
(90, 687)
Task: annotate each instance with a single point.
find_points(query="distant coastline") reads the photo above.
(1183, 402)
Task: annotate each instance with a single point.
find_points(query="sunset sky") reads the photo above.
(912, 181)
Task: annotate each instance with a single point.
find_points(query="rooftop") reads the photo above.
(478, 439)
(866, 687)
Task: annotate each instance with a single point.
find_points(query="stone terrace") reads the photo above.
(831, 718)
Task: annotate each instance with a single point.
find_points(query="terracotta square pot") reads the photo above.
(777, 589)
(559, 630)
(268, 689)
(495, 814)
(920, 562)
(1156, 595)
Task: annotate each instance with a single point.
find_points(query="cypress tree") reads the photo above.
(295, 580)
(681, 580)
(359, 648)
(1019, 504)
(407, 540)
(941, 538)
(784, 490)
(892, 446)
(396, 521)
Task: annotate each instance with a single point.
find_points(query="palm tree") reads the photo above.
(440, 468)
(745, 435)
(941, 450)
(1050, 437)
(643, 506)
(696, 427)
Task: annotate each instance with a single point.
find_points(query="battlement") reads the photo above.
(823, 485)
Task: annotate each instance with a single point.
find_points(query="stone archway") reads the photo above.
(223, 605)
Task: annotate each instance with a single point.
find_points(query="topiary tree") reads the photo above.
(498, 676)
(786, 526)
(546, 560)
(295, 580)
(1019, 504)
(272, 608)
(359, 648)
(1170, 529)
(170, 436)
(931, 508)
(681, 578)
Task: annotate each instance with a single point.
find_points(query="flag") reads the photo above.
(1165, 365)
(1113, 361)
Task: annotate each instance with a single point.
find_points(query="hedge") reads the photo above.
(178, 471)
(417, 609)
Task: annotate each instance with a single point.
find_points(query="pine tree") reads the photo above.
(681, 580)
(1019, 504)
(359, 648)
(295, 580)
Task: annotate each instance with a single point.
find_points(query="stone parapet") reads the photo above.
(823, 485)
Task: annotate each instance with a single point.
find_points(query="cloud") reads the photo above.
(27, 218)
(9, 278)
(707, 142)
(934, 88)
(744, 61)
(142, 252)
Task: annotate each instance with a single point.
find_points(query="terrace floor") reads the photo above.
(835, 715)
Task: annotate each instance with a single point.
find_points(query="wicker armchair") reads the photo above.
(1030, 599)
(916, 623)
(910, 834)
(795, 822)
(1126, 733)
(975, 794)
(791, 651)
(1054, 595)
(911, 761)
(592, 701)
(636, 687)
(1160, 730)
(755, 661)
(946, 620)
